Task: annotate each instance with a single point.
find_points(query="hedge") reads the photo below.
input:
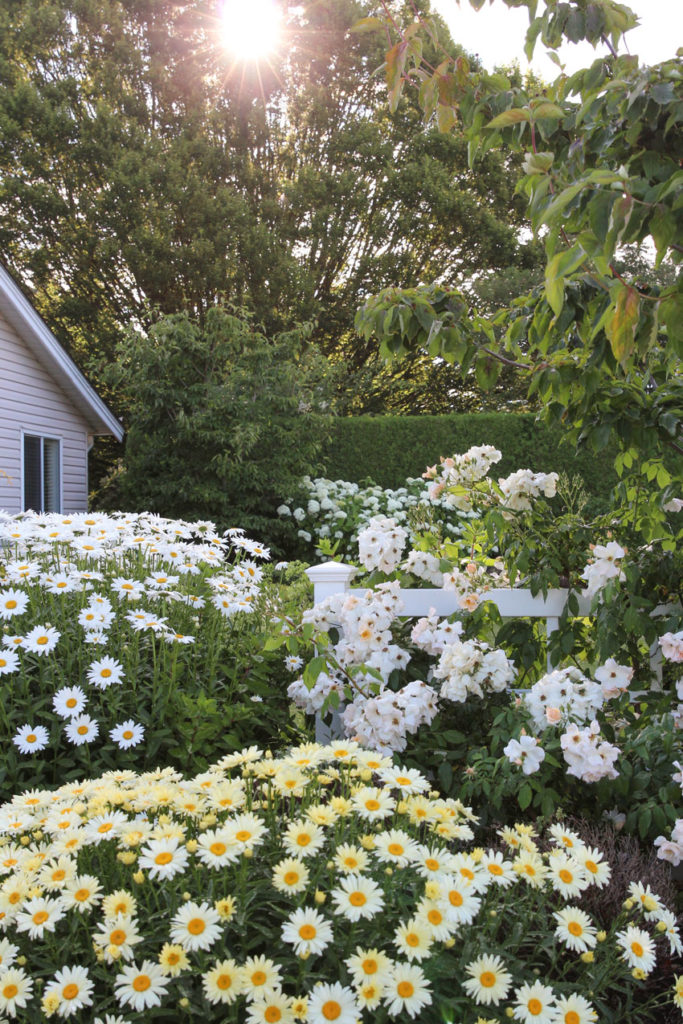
(388, 449)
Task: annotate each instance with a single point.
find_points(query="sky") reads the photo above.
(497, 34)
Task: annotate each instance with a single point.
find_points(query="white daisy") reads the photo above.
(128, 734)
(141, 987)
(31, 738)
(164, 857)
(12, 602)
(307, 931)
(105, 672)
(15, 990)
(81, 729)
(638, 948)
(196, 926)
(9, 661)
(406, 989)
(575, 929)
(332, 1003)
(73, 987)
(223, 983)
(41, 640)
(69, 701)
(489, 981)
(357, 897)
(39, 915)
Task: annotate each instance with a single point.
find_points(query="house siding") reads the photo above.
(32, 402)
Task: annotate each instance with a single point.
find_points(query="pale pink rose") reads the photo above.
(553, 715)
(469, 602)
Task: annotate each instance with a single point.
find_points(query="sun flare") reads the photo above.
(250, 29)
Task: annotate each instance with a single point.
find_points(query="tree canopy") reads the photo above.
(142, 168)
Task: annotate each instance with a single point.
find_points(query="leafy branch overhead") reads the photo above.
(602, 155)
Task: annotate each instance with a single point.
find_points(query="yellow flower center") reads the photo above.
(105, 673)
(455, 898)
(163, 858)
(566, 876)
(331, 1010)
(106, 826)
(405, 989)
(71, 702)
(432, 864)
(243, 835)
(395, 849)
(307, 931)
(117, 937)
(495, 869)
(128, 734)
(218, 849)
(291, 878)
(591, 866)
(357, 899)
(58, 875)
(372, 805)
(142, 982)
(369, 966)
(535, 1007)
(435, 916)
(9, 991)
(487, 979)
(70, 991)
(31, 738)
(40, 917)
(42, 640)
(196, 926)
(412, 939)
(303, 839)
(272, 1015)
(10, 604)
(575, 928)
(258, 978)
(82, 730)
(637, 948)
(572, 1017)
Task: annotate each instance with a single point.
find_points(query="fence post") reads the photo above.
(328, 579)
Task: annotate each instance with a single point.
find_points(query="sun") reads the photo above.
(250, 29)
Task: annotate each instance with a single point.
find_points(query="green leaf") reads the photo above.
(514, 116)
(524, 796)
(549, 110)
(663, 231)
(560, 266)
(367, 25)
(446, 118)
(621, 328)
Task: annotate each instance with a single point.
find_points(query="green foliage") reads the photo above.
(388, 449)
(602, 154)
(222, 421)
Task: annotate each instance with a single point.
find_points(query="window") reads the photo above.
(42, 474)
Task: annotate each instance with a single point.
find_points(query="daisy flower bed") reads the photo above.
(324, 885)
(123, 636)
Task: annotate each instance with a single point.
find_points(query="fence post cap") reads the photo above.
(331, 572)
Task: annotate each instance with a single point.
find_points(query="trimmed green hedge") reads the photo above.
(390, 448)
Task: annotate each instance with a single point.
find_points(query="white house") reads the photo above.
(49, 414)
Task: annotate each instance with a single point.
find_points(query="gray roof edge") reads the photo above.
(47, 350)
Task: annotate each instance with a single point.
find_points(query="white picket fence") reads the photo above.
(335, 577)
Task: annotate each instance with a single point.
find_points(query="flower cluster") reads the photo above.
(457, 474)
(324, 885)
(521, 488)
(336, 511)
(471, 668)
(589, 756)
(381, 544)
(91, 605)
(566, 695)
(603, 567)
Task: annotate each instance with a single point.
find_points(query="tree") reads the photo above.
(142, 169)
(222, 420)
(600, 349)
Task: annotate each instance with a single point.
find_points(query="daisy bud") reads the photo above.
(191, 845)
(38, 835)
(661, 926)
(184, 1003)
(366, 775)
(389, 871)
(493, 913)
(187, 896)
(114, 952)
(629, 905)
(367, 842)
(21, 960)
(248, 854)
(449, 943)
(269, 755)
(50, 1004)
(25, 840)
(401, 807)
(588, 957)
(639, 974)
(139, 877)
(601, 936)
(304, 955)
(320, 896)
(126, 857)
(509, 1012)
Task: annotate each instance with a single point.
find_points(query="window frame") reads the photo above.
(42, 438)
